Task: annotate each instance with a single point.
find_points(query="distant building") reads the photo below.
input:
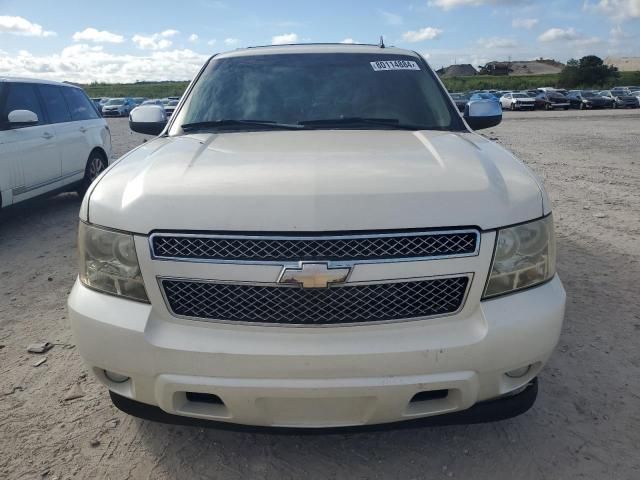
(462, 70)
(542, 66)
(624, 64)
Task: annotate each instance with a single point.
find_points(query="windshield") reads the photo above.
(300, 87)
(520, 95)
(116, 101)
(172, 103)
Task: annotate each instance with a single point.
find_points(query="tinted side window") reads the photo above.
(22, 96)
(79, 105)
(55, 104)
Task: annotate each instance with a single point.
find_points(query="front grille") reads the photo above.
(344, 304)
(364, 247)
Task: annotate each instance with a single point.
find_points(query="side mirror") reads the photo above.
(481, 114)
(148, 119)
(22, 118)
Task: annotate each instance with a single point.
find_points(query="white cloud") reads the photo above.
(193, 37)
(99, 36)
(497, 42)
(427, 33)
(527, 23)
(348, 40)
(212, 42)
(79, 49)
(616, 9)
(449, 4)
(554, 34)
(284, 39)
(155, 41)
(22, 26)
(231, 41)
(169, 33)
(74, 64)
(391, 18)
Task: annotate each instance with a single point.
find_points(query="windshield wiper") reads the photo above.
(354, 121)
(212, 124)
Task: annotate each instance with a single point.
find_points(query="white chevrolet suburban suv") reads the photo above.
(316, 239)
(52, 138)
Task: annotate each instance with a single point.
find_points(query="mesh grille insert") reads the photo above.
(299, 248)
(298, 306)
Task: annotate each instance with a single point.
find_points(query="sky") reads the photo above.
(118, 41)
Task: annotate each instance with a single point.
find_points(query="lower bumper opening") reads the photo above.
(204, 398)
(200, 404)
(429, 395)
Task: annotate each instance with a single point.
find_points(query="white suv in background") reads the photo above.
(317, 239)
(52, 138)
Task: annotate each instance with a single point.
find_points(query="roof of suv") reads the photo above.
(316, 48)
(36, 80)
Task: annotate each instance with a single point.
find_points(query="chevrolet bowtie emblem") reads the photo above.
(313, 275)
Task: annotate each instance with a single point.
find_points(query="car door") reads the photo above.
(30, 152)
(78, 133)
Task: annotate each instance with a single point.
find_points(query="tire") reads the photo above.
(513, 107)
(95, 165)
(582, 107)
(547, 106)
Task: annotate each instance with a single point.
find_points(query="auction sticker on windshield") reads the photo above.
(384, 65)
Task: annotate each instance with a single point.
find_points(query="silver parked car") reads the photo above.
(118, 107)
(517, 101)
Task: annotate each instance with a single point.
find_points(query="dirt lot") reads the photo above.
(585, 424)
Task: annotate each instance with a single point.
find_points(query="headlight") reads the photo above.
(525, 256)
(108, 262)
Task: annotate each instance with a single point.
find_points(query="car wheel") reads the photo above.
(513, 107)
(615, 105)
(547, 106)
(582, 106)
(566, 108)
(95, 166)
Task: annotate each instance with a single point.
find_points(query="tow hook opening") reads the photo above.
(429, 395)
(208, 398)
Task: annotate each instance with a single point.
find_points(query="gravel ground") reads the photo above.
(585, 424)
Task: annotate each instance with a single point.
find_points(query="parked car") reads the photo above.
(517, 101)
(550, 100)
(51, 139)
(275, 260)
(587, 99)
(636, 94)
(118, 107)
(460, 99)
(139, 100)
(153, 101)
(621, 98)
(170, 107)
(485, 96)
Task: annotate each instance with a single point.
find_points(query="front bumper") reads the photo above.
(317, 377)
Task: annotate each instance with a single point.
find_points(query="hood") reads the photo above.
(313, 181)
